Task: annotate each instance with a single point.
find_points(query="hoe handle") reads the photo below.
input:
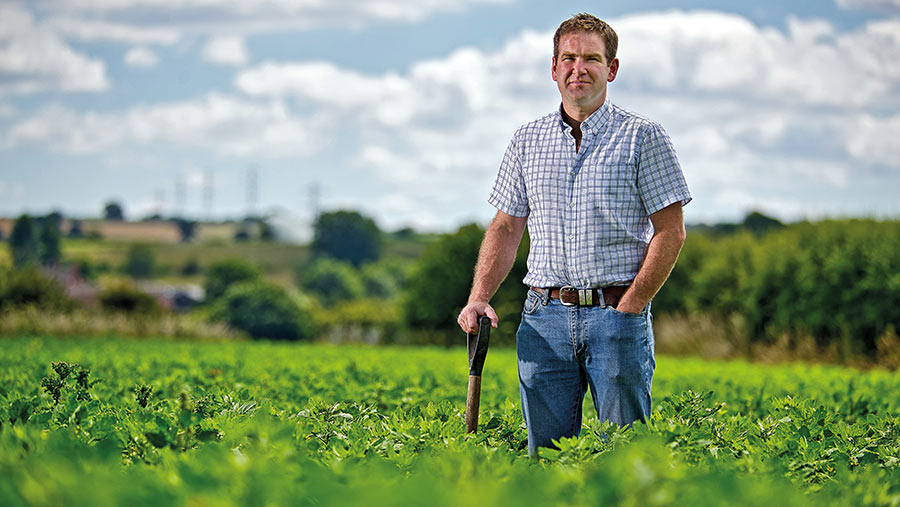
(473, 401)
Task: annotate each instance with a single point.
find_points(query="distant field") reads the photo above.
(278, 261)
(238, 423)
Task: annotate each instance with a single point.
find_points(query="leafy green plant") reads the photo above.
(126, 297)
(330, 281)
(29, 287)
(264, 310)
(223, 274)
(140, 261)
(269, 422)
(346, 236)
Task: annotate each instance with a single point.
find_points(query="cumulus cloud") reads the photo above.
(873, 139)
(34, 59)
(100, 30)
(217, 123)
(716, 53)
(141, 57)
(718, 63)
(443, 119)
(751, 110)
(251, 16)
(226, 50)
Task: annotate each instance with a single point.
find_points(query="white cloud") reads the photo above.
(716, 53)
(34, 59)
(730, 93)
(408, 212)
(141, 57)
(99, 30)
(226, 50)
(873, 139)
(759, 116)
(216, 123)
(249, 16)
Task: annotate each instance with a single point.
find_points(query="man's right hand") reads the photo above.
(468, 317)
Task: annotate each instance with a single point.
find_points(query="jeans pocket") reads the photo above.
(627, 347)
(532, 303)
(627, 315)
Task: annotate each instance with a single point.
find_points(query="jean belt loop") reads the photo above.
(545, 297)
(602, 298)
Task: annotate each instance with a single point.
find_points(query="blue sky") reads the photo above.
(402, 108)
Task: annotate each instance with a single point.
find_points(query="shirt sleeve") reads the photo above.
(660, 180)
(509, 195)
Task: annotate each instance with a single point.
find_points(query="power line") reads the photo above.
(180, 195)
(208, 194)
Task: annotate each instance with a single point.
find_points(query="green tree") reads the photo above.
(113, 211)
(385, 278)
(676, 294)
(141, 261)
(347, 236)
(126, 297)
(758, 223)
(438, 286)
(28, 287)
(75, 230)
(330, 281)
(191, 267)
(266, 231)
(264, 310)
(24, 242)
(222, 274)
(187, 228)
(49, 239)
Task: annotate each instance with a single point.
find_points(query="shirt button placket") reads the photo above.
(572, 220)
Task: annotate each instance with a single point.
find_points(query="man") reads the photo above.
(601, 192)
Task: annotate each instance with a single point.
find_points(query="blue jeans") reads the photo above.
(563, 350)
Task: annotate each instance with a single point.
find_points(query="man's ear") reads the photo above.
(613, 70)
(553, 68)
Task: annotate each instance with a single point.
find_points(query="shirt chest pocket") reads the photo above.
(615, 186)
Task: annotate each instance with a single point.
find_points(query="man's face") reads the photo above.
(581, 71)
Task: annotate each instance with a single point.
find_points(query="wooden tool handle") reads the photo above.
(473, 400)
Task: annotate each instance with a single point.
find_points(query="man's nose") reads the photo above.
(579, 65)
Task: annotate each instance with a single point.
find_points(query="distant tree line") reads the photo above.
(36, 240)
(836, 281)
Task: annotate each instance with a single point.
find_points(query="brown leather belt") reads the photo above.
(570, 296)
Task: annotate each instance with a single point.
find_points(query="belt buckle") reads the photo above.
(566, 288)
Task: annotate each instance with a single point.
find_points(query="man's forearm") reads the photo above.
(662, 252)
(496, 257)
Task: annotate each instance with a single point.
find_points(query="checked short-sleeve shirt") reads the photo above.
(588, 211)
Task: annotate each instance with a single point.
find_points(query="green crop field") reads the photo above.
(127, 422)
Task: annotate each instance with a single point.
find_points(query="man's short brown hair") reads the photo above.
(584, 22)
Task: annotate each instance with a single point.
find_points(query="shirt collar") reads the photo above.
(594, 122)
